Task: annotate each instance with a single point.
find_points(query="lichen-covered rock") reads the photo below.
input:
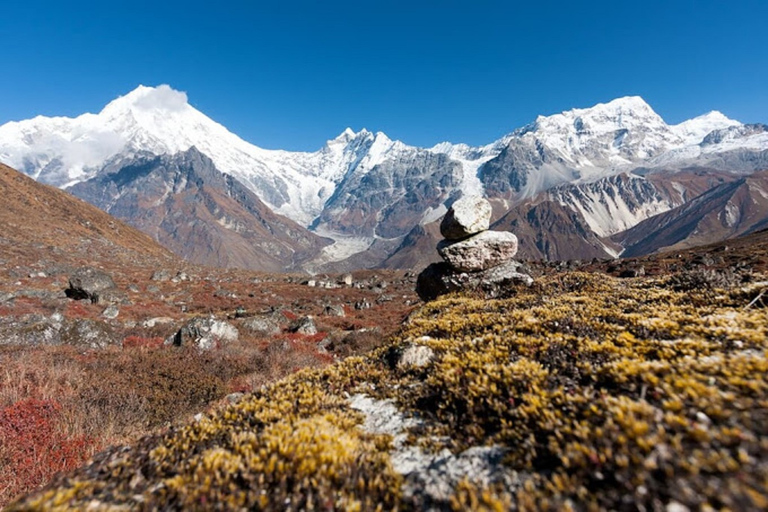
(304, 325)
(87, 282)
(439, 279)
(263, 325)
(110, 296)
(479, 252)
(204, 333)
(467, 216)
(415, 356)
(334, 310)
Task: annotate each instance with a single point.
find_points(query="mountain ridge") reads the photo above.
(366, 191)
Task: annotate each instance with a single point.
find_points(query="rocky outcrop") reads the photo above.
(304, 325)
(482, 261)
(204, 333)
(89, 283)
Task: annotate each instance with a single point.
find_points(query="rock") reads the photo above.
(111, 312)
(86, 282)
(467, 216)
(205, 333)
(415, 356)
(304, 325)
(233, 398)
(158, 320)
(362, 304)
(161, 275)
(87, 333)
(347, 279)
(6, 297)
(33, 330)
(263, 325)
(110, 296)
(632, 272)
(479, 252)
(334, 311)
(439, 279)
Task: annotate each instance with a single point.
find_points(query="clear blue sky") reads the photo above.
(291, 74)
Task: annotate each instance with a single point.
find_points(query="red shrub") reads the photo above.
(141, 342)
(33, 446)
(77, 309)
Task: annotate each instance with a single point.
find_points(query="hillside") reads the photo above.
(583, 391)
(82, 371)
(41, 218)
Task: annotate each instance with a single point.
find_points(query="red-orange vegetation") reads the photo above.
(34, 446)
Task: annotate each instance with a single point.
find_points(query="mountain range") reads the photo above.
(586, 183)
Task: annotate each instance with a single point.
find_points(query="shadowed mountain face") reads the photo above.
(207, 217)
(728, 210)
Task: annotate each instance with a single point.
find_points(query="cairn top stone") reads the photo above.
(467, 216)
(479, 252)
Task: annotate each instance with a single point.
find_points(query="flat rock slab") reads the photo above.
(439, 279)
(467, 216)
(479, 252)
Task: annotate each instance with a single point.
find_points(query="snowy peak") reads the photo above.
(694, 130)
(606, 135)
(161, 98)
(620, 113)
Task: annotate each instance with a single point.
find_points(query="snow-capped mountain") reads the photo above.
(159, 120)
(612, 165)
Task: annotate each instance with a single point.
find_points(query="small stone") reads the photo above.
(161, 275)
(347, 279)
(304, 325)
(415, 356)
(479, 252)
(467, 216)
(632, 272)
(111, 312)
(233, 398)
(334, 310)
(160, 320)
(362, 304)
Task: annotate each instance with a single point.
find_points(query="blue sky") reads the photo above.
(291, 74)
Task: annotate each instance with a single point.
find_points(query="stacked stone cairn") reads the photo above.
(474, 257)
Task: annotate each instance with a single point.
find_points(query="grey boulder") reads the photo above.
(467, 216)
(87, 282)
(204, 333)
(479, 252)
(439, 279)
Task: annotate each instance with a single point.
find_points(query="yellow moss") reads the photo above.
(597, 388)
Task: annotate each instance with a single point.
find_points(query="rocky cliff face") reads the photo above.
(208, 217)
(728, 210)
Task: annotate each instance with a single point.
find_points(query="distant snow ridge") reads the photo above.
(368, 175)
